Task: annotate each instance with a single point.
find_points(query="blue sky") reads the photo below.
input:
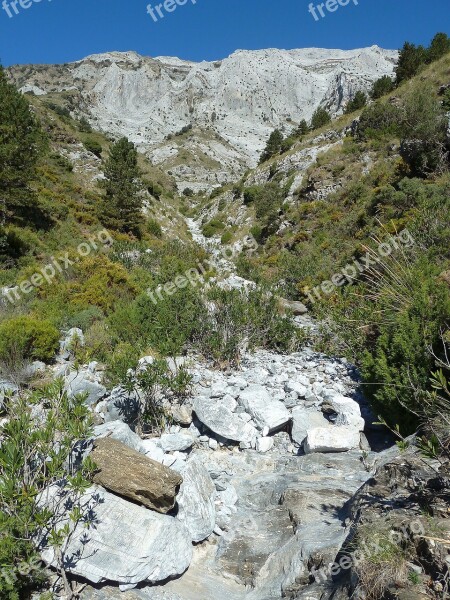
(57, 31)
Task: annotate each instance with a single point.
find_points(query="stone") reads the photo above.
(222, 421)
(127, 544)
(348, 411)
(118, 430)
(123, 406)
(297, 308)
(331, 439)
(296, 387)
(170, 442)
(303, 420)
(265, 411)
(264, 444)
(132, 475)
(79, 383)
(196, 508)
(153, 451)
(181, 414)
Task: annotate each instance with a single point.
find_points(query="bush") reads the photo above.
(378, 120)
(93, 146)
(28, 338)
(214, 227)
(359, 101)
(381, 87)
(154, 228)
(226, 237)
(320, 118)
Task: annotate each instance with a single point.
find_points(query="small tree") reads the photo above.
(302, 128)
(440, 45)
(273, 145)
(381, 87)
(320, 118)
(121, 208)
(359, 101)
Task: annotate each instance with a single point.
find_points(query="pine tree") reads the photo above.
(439, 46)
(409, 62)
(273, 146)
(357, 102)
(121, 208)
(320, 118)
(21, 139)
(302, 128)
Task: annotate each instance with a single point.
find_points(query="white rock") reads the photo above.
(128, 543)
(305, 419)
(296, 387)
(196, 508)
(264, 444)
(119, 430)
(331, 439)
(222, 421)
(265, 411)
(170, 442)
(153, 451)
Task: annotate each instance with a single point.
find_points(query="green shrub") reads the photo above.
(124, 357)
(320, 118)
(226, 237)
(381, 87)
(93, 146)
(28, 338)
(214, 227)
(357, 102)
(154, 228)
(378, 120)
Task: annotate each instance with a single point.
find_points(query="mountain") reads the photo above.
(207, 122)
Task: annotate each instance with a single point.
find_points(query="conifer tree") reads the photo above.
(302, 128)
(381, 87)
(357, 102)
(320, 118)
(21, 139)
(273, 145)
(410, 60)
(122, 205)
(439, 46)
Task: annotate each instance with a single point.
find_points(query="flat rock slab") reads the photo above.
(303, 420)
(127, 544)
(332, 439)
(133, 475)
(221, 420)
(265, 411)
(196, 508)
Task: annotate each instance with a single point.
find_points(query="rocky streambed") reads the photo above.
(268, 455)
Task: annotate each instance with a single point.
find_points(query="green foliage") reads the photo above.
(21, 140)
(440, 45)
(357, 102)
(84, 125)
(226, 237)
(151, 384)
(28, 338)
(320, 118)
(34, 455)
(446, 100)
(121, 207)
(411, 59)
(93, 146)
(214, 227)
(154, 228)
(273, 146)
(154, 189)
(302, 128)
(124, 357)
(378, 120)
(381, 87)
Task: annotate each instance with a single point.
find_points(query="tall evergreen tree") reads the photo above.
(381, 87)
(410, 60)
(439, 46)
(302, 128)
(121, 208)
(21, 139)
(273, 146)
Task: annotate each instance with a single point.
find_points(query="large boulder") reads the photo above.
(303, 420)
(266, 412)
(220, 419)
(347, 410)
(133, 475)
(332, 439)
(172, 442)
(196, 500)
(126, 543)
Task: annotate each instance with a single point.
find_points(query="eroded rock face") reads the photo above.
(133, 475)
(126, 543)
